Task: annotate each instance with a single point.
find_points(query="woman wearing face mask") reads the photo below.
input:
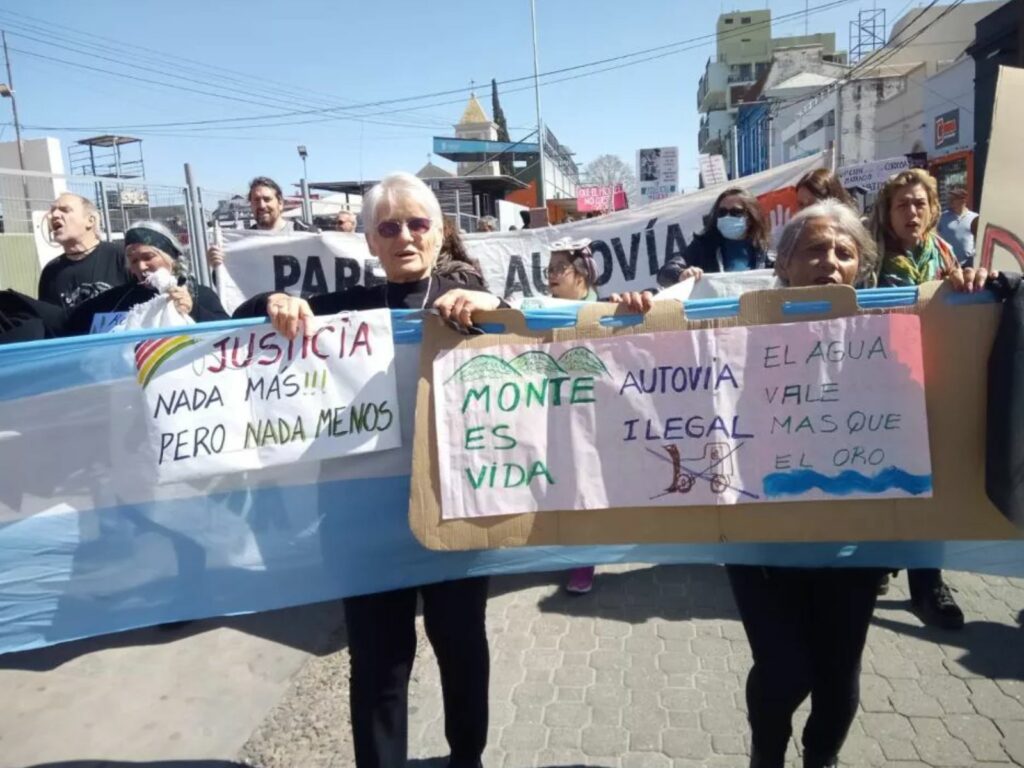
(734, 239)
(149, 246)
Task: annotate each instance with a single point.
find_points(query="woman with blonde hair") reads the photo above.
(904, 222)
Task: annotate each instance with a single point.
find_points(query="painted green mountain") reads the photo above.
(483, 368)
(536, 362)
(582, 360)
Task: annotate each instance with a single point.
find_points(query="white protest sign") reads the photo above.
(872, 176)
(629, 248)
(807, 411)
(249, 399)
(658, 172)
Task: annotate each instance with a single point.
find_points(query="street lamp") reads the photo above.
(307, 206)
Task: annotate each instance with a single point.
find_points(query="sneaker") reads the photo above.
(581, 581)
(939, 609)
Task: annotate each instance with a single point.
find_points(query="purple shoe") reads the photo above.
(581, 580)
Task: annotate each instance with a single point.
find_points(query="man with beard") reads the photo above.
(89, 266)
(267, 203)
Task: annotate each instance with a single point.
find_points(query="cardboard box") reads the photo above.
(955, 341)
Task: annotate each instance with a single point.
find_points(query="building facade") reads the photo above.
(744, 53)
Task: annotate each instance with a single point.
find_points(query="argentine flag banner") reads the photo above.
(303, 496)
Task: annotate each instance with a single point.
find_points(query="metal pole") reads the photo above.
(839, 127)
(105, 210)
(735, 154)
(17, 134)
(307, 205)
(542, 200)
(198, 227)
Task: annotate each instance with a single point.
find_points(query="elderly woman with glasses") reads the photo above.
(735, 238)
(403, 224)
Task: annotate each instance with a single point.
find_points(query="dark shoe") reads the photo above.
(883, 586)
(812, 761)
(937, 608)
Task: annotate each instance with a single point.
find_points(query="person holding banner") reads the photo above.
(904, 221)
(267, 203)
(807, 626)
(404, 224)
(735, 238)
(572, 274)
(149, 246)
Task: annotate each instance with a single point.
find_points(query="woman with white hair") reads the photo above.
(403, 225)
(149, 247)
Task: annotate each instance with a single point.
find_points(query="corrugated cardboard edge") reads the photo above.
(956, 343)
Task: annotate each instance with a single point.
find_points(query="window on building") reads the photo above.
(728, 21)
(745, 72)
(856, 93)
(744, 39)
(745, 20)
(760, 69)
(879, 89)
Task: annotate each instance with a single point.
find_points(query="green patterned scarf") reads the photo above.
(912, 267)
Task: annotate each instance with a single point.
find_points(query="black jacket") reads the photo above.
(360, 297)
(206, 305)
(1004, 442)
(23, 318)
(704, 251)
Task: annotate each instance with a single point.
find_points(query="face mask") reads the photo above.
(733, 227)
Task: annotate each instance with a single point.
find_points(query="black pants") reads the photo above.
(382, 647)
(922, 581)
(807, 628)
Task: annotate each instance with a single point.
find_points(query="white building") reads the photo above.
(881, 110)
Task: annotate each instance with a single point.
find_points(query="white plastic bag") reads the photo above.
(158, 312)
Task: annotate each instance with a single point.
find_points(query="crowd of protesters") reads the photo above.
(807, 627)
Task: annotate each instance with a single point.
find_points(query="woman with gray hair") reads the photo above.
(149, 246)
(404, 224)
(807, 626)
(814, 236)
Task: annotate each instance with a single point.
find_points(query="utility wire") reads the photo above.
(616, 62)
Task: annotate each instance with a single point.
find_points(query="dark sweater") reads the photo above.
(422, 293)
(206, 305)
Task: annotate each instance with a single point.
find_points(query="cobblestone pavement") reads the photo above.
(647, 671)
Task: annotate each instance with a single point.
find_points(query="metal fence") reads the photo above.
(25, 199)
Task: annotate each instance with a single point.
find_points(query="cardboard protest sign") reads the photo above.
(743, 415)
(250, 399)
(607, 504)
(1000, 237)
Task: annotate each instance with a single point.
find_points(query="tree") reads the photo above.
(505, 163)
(609, 170)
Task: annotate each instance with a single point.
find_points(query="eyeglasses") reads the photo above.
(736, 211)
(417, 225)
(556, 270)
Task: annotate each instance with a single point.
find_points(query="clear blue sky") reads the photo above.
(318, 54)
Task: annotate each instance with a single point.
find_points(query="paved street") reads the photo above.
(647, 670)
